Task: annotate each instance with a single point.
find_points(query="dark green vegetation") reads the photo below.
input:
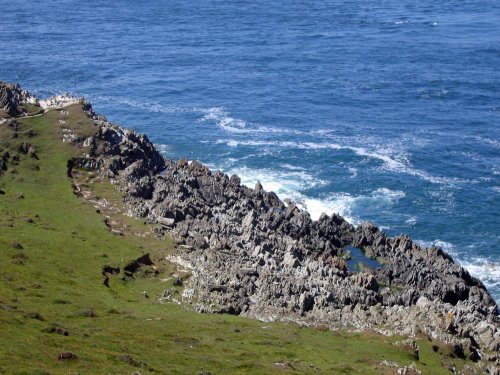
(58, 317)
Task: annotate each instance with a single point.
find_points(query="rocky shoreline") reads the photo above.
(251, 254)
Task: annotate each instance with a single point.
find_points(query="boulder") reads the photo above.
(166, 221)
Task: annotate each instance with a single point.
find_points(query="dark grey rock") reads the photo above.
(11, 96)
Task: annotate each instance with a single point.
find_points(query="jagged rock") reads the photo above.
(251, 254)
(123, 151)
(366, 281)
(248, 220)
(11, 96)
(258, 187)
(166, 221)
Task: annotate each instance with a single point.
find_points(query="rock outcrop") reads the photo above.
(116, 152)
(11, 96)
(251, 254)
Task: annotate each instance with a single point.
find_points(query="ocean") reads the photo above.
(383, 111)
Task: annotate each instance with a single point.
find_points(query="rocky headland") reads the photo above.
(251, 254)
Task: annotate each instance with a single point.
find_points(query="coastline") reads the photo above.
(253, 255)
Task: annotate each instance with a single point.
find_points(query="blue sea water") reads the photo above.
(385, 111)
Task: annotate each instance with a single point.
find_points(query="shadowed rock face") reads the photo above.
(250, 254)
(11, 96)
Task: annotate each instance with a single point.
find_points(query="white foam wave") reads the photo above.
(436, 179)
(224, 120)
(399, 165)
(281, 182)
(360, 151)
(292, 167)
(162, 148)
(340, 203)
(210, 166)
(411, 221)
(321, 132)
(488, 271)
(236, 143)
(230, 143)
(435, 94)
(388, 194)
(346, 204)
(288, 184)
(292, 184)
(492, 142)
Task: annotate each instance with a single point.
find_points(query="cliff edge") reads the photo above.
(251, 254)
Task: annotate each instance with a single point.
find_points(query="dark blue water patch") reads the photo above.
(359, 261)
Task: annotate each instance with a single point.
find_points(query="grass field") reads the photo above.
(53, 247)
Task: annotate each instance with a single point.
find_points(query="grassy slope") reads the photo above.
(55, 279)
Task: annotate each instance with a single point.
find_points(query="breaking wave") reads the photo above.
(293, 185)
(224, 120)
(389, 162)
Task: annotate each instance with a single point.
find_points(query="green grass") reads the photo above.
(51, 281)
